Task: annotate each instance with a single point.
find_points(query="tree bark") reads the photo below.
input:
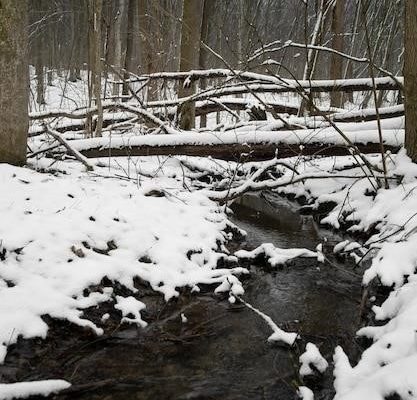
(232, 151)
(336, 62)
(95, 14)
(208, 15)
(118, 40)
(14, 73)
(410, 76)
(129, 58)
(190, 50)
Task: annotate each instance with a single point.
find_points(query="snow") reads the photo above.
(275, 255)
(398, 377)
(65, 233)
(278, 334)
(393, 137)
(22, 390)
(304, 393)
(389, 365)
(129, 305)
(312, 358)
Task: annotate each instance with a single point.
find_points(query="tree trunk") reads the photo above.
(311, 56)
(40, 78)
(336, 62)
(129, 59)
(118, 40)
(410, 76)
(190, 50)
(208, 15)
(95, 13)
(14, 89)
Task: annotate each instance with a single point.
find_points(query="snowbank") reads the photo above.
(389, 365)
(61, 234)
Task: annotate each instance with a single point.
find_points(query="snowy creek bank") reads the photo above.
(201, 346)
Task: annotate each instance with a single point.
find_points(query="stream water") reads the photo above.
(221, 352)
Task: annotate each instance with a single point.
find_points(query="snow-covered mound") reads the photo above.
(64, 233)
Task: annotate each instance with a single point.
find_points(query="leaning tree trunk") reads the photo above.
(190, 50)
(410, 75)
(14, 120)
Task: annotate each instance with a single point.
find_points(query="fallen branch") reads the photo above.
(251, 185)
(70, 149)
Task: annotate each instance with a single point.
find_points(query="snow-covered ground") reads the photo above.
(389, 365)
(66, 231)
(63, 230)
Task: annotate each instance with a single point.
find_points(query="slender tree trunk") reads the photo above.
(94, 13)
(98, 5)
(208, 15)
(129, 59)
(410, 75)
(148, 37)
(118, 40)
(74, 46)
(14, 89)
(40, 78)
(190, 50)
(311, 54)
(336, 62)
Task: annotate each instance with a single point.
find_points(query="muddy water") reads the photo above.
(221, 352)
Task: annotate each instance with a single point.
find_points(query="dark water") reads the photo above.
(221, 352)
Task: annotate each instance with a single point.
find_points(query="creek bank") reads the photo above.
(221, 349)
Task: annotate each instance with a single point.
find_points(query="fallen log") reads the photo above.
(247, 145)
(237, 152)
(292, 85)
(369, 114)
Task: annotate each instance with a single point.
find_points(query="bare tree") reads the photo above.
(336, 62)
(14, 74)
(118, 41)
(95, 14)
(410, 75)
(190, 51)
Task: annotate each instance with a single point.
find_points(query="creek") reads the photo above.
(221, 352)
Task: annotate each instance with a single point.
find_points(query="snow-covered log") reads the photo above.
(325, 85)
(250, 145)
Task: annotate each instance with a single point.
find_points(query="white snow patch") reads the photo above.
(129, 305)
(275, 255)
(305, 393)
(312, 358)
(22, 390)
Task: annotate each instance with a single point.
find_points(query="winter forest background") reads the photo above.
(144, 36)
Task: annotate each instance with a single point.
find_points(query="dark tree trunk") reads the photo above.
(14, 88)
(410, 75)
(190, 50)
